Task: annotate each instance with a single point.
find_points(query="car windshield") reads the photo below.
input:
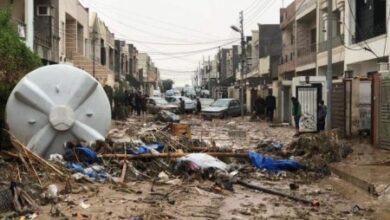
(161, 102)
(221, 103)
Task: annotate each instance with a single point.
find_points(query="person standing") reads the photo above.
(260, 106)
(270, 105)
(296, 112)
(130, 100)
(138, 103)
(321, 116)
(198, 105)
(143, 104)
(182, 105)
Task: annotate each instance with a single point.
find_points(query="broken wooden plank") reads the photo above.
(172, 155)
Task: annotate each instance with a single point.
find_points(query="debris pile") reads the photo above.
(316, 151)
(167, 154)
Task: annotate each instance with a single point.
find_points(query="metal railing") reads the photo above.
(336, 41)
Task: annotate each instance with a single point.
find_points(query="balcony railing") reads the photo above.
(306, 55)
(286, 67)
(336, 41)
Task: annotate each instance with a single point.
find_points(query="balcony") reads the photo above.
(336, 41)
(306, 55)
(306, 7)
(287, 15)
(286, 67)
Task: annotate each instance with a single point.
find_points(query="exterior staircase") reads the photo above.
(103, 74)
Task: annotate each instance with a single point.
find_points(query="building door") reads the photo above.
(384, 115)
(308, 98)
(338, 107)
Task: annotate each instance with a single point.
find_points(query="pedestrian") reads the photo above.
(130, 100)
(198, 105)
(138, 103)
(260, 106)
(182, 105)
(296, 112)
(270, 105)
(321, 116)
(143, 104)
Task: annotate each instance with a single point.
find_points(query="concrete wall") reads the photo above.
(77, 11)
(16, 8)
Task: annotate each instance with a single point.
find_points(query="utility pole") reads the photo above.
(209, 70)
(329, 71)
(243, 65)
(93, 53)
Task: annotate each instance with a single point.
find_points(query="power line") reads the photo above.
(154, 20)
(250, 6)
(368, 48)
(141, 30)
(254, 8)
(266, 6)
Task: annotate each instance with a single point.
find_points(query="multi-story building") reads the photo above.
(306, 37)
(37, 25)
(149, 74)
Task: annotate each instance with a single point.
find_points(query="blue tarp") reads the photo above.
(90, 155)
(262, 162)
(97, 175)
(145, 149)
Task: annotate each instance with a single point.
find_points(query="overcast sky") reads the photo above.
(177, 34)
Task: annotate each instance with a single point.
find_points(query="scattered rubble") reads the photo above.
(154, 168)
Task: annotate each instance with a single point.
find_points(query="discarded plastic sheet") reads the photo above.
(262, 162)
(95, 173)
(204, 161)
(80, 151)
(145, 149)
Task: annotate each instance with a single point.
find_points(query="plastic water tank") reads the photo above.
(55, 104)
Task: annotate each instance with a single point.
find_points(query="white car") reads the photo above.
(189, 106)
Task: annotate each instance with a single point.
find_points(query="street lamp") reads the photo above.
(243, 58)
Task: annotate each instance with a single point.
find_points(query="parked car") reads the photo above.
(222, 108)
(206, 102)
(156, 104)
(172, 92)
(190, 105)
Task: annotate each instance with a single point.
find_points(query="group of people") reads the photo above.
(137, 103)
(265, 107)
(297, 114)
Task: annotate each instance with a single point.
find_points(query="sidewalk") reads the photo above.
(368, 170)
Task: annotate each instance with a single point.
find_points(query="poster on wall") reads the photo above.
(307, 97)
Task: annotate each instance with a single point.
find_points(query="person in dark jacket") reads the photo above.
(143, 104)
(198, 105)
(270, 105)
(182, 106)
(260, 106)
(296, 112)
(321, 116)
(138, 103)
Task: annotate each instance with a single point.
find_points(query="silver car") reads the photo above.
(156, 104)
(189, 105)
(222, 108)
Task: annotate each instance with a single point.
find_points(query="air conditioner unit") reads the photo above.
(43, 10)
(22, 31)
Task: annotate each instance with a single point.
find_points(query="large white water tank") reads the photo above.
(55, 104)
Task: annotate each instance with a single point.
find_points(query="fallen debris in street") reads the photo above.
(154, 168)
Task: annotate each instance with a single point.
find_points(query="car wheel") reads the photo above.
(224, 115)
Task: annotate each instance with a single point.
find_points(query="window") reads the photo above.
(43, 10)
